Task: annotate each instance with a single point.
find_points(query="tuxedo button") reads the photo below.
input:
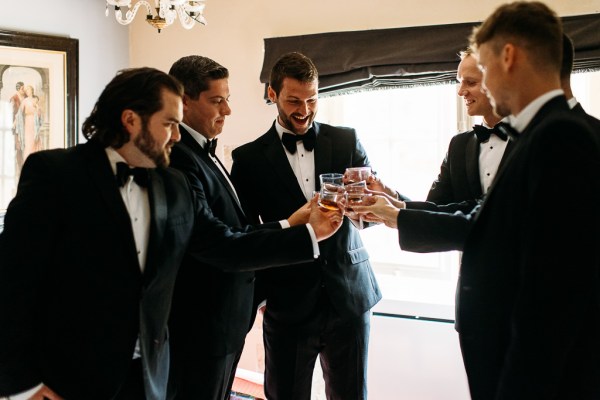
(251, 280)
(466, 288)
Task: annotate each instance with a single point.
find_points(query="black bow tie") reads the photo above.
(483, 133)
(289, 140)
(508, 130)
(140, 175)
(211, 146)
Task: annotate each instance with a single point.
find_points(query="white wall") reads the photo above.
(103, 43)
(236, 29)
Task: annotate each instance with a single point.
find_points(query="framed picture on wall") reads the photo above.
(38, 101)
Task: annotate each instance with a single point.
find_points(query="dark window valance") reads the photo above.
(360, 60)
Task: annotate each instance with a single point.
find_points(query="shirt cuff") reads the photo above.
(284, 224)
(27, 394)
(261, 305)
(315, 243)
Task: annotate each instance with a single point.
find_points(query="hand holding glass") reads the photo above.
(331, 195)
(357, 174)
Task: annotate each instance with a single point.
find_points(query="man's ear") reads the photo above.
(272, 95)
(186, 101)
(131, 121)
(508, 56)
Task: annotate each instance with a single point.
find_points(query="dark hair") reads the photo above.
(196, 72)
(19, 85)
(292, 65)
(531, 25)
(567, 61)
(136, 89)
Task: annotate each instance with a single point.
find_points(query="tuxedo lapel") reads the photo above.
(158, 220)
(509, 146)
(276, 156)
(323, 150)
(101, 174)
(472, 165)
(189, 141)
(221, 177)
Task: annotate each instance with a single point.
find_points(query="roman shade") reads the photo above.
(404, 57)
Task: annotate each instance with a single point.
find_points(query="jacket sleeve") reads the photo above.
(424, 227)
(30, 226)
(441, 191)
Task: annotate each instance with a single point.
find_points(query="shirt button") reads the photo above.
(491, 147)
(488, 174)
(139, 252)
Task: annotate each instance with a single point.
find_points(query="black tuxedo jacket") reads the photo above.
(73, 299)
(527, 308)
(592, 121)
(268, 189)
(458, 179)
(427, 227)
(212, 308)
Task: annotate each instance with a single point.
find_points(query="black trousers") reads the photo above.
(204, 377)
(133, 387)
(292, 349)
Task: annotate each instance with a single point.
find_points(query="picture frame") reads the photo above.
(38, 101)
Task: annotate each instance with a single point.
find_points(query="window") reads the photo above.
(406, 132)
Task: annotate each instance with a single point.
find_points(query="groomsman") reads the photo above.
(92, 243)
(322, 308)
(212, 309)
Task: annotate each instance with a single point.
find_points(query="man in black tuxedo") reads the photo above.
(427, 227)
(91, 246)
(565, 82)
(473, 157)
(212, 309)
(528, 301)
(319, 309)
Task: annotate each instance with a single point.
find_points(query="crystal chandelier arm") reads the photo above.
(189, 12)
(131, 13)
(188, 21)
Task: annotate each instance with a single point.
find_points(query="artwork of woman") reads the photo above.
(28, 123)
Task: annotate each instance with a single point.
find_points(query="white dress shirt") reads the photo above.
(490, 155)
(520, 122)
(302, 163)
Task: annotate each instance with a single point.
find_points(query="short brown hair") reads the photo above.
(196, 73)
(292, 65)
(531, 25)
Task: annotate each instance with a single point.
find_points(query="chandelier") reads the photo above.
(189, 12)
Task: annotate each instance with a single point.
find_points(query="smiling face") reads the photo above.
(469, 77)
(297, 104)
(206, 114)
